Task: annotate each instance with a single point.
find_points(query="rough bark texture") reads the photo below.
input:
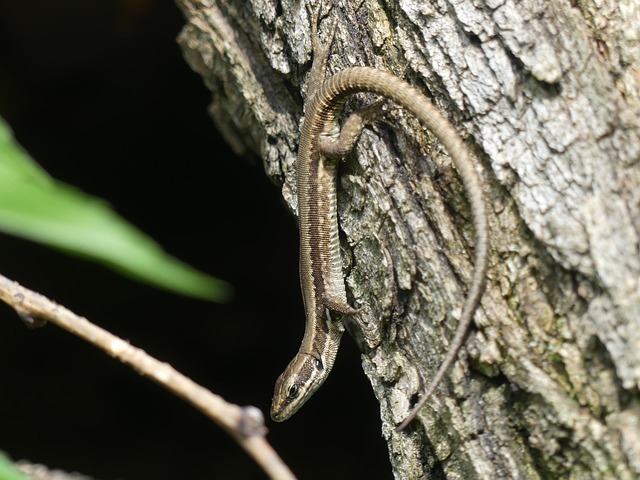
(547, 96)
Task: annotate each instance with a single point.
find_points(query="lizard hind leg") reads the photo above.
(340, 144)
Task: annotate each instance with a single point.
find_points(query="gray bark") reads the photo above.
(547, 96)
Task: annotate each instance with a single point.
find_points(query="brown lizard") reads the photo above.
(321, 277)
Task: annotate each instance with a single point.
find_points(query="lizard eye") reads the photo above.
(292, 391)
(319, 365)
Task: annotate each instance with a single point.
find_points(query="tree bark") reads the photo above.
(547, 96)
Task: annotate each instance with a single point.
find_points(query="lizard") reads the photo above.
(321, 144)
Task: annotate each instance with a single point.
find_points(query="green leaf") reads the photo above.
(8, 471)
(33, 205)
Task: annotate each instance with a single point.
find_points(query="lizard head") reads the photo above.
(302, 377)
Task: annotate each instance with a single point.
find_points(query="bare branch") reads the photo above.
(244, 424)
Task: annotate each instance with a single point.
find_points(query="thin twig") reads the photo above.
(244, 424)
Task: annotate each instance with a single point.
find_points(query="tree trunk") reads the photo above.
(547, 96)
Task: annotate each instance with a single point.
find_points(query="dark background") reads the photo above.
(98, 93)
